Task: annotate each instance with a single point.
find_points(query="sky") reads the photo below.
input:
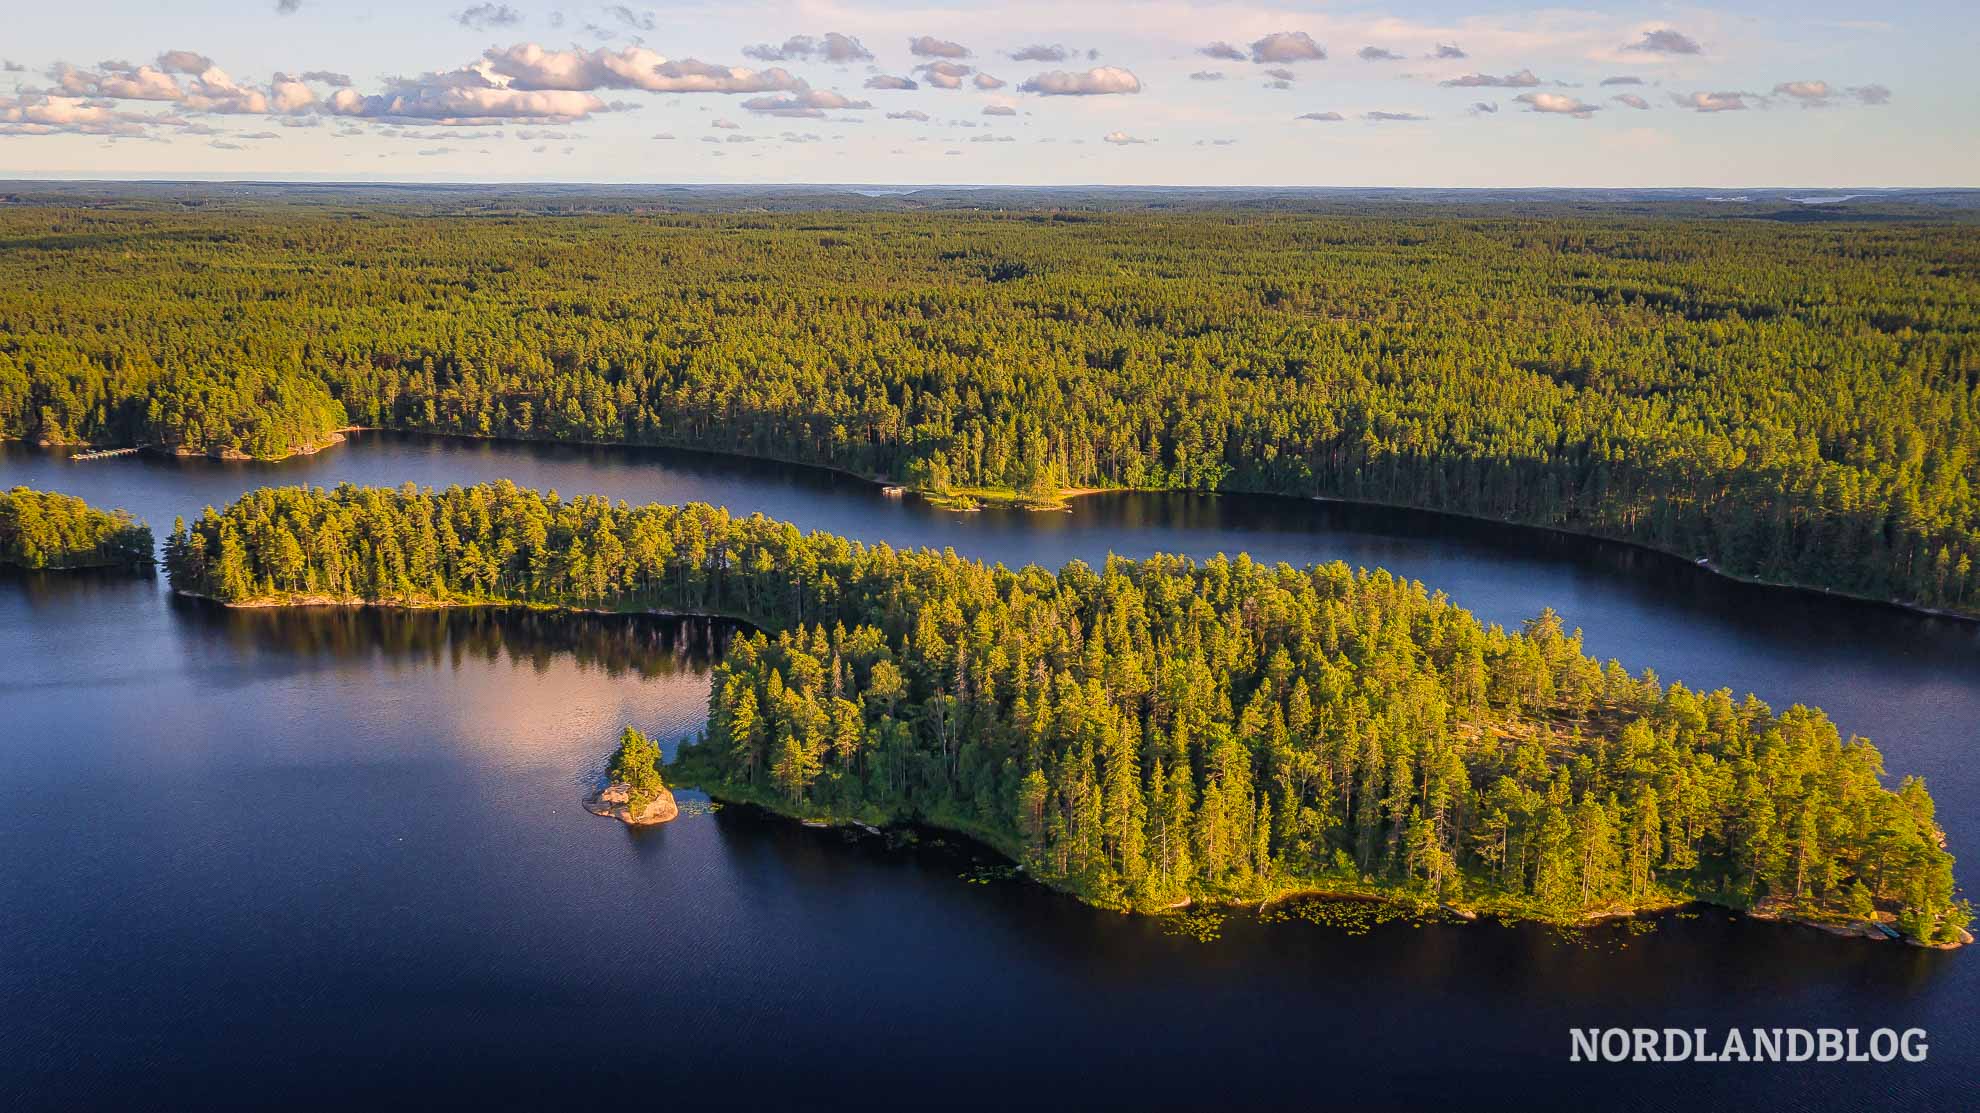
(1027, 92)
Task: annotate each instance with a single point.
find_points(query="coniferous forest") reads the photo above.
(1157, 731)
(1796, 402)
(44, 529)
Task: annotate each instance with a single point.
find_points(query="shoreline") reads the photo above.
(976, 499)
(727, 793)
(1309, 889)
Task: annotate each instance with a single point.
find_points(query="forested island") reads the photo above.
(1156, 732)
(1793, 402)
(46, 529)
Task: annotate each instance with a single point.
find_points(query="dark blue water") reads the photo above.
(317, 859)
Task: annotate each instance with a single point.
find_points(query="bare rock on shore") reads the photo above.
(614, 801)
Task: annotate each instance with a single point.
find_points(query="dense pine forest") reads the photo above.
(1796, 402)
(1155, 731)
(44, 529)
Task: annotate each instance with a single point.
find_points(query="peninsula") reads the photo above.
(1155, 732)
(49, 530)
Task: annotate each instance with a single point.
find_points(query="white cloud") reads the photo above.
(944, 75)
(834, 47)
(1524, 79)
(1121, 139)
(1714, 102)
(1287, 46)
(888, 81)
(1323, 117)
(529, 66)
(809, 103)
(1100, 81)
(928, 46)
(1631, 100)
(1557, 104)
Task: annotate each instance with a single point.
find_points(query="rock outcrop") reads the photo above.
(614, 801)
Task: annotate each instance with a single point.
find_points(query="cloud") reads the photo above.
(11, 66)
(483, 16)
(833, 47)
(944, 75)
(528, 66)
(1287, 46)
(1557, 104)
(914, 114)
(1377, 54)
(993, 139)
(1631, 100)
(1714, 102)
(999, 110)
(638, 21)
(1100, 81)
(928, 46)
(1280, 74)
(1323, 117)
(1622, 80)
(1870, 94)
(663, 135)
(1483, 108)
(1524, 79)
(1222, 50)
(1810, 94)
(53, 115)
(328, 77)
(475, 95)
(1121, 139)
(184, 61)
(887, 81)
(809, 103)
(1665, 41)
(287, 7)
(724, 123)
(1039, 53)
(986, 82)
(119, 81)
(1446, 52)
(1393, 117)
(1207, 75)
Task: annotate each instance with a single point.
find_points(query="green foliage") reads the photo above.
(43, 529)
(637, 766)
(1795, 402)
(1156, 730)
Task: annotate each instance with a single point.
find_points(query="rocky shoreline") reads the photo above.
(614, 801)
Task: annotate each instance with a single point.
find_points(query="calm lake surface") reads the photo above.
(316, 859)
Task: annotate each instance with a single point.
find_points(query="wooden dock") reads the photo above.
(104, 453)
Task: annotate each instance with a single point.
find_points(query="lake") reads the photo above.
(314, 859)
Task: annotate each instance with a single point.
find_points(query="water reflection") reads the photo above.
(643, 646)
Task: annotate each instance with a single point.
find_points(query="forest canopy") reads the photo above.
(46, 529)
(1793, 402)
(1153, 731)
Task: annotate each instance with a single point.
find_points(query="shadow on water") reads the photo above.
(631, 645)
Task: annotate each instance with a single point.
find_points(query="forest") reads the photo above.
(1793, 402)
(1156, 731)
(45, 529)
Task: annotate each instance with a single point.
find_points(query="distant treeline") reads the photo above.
(43, 529)
(1152, 731)
(1796, 402)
